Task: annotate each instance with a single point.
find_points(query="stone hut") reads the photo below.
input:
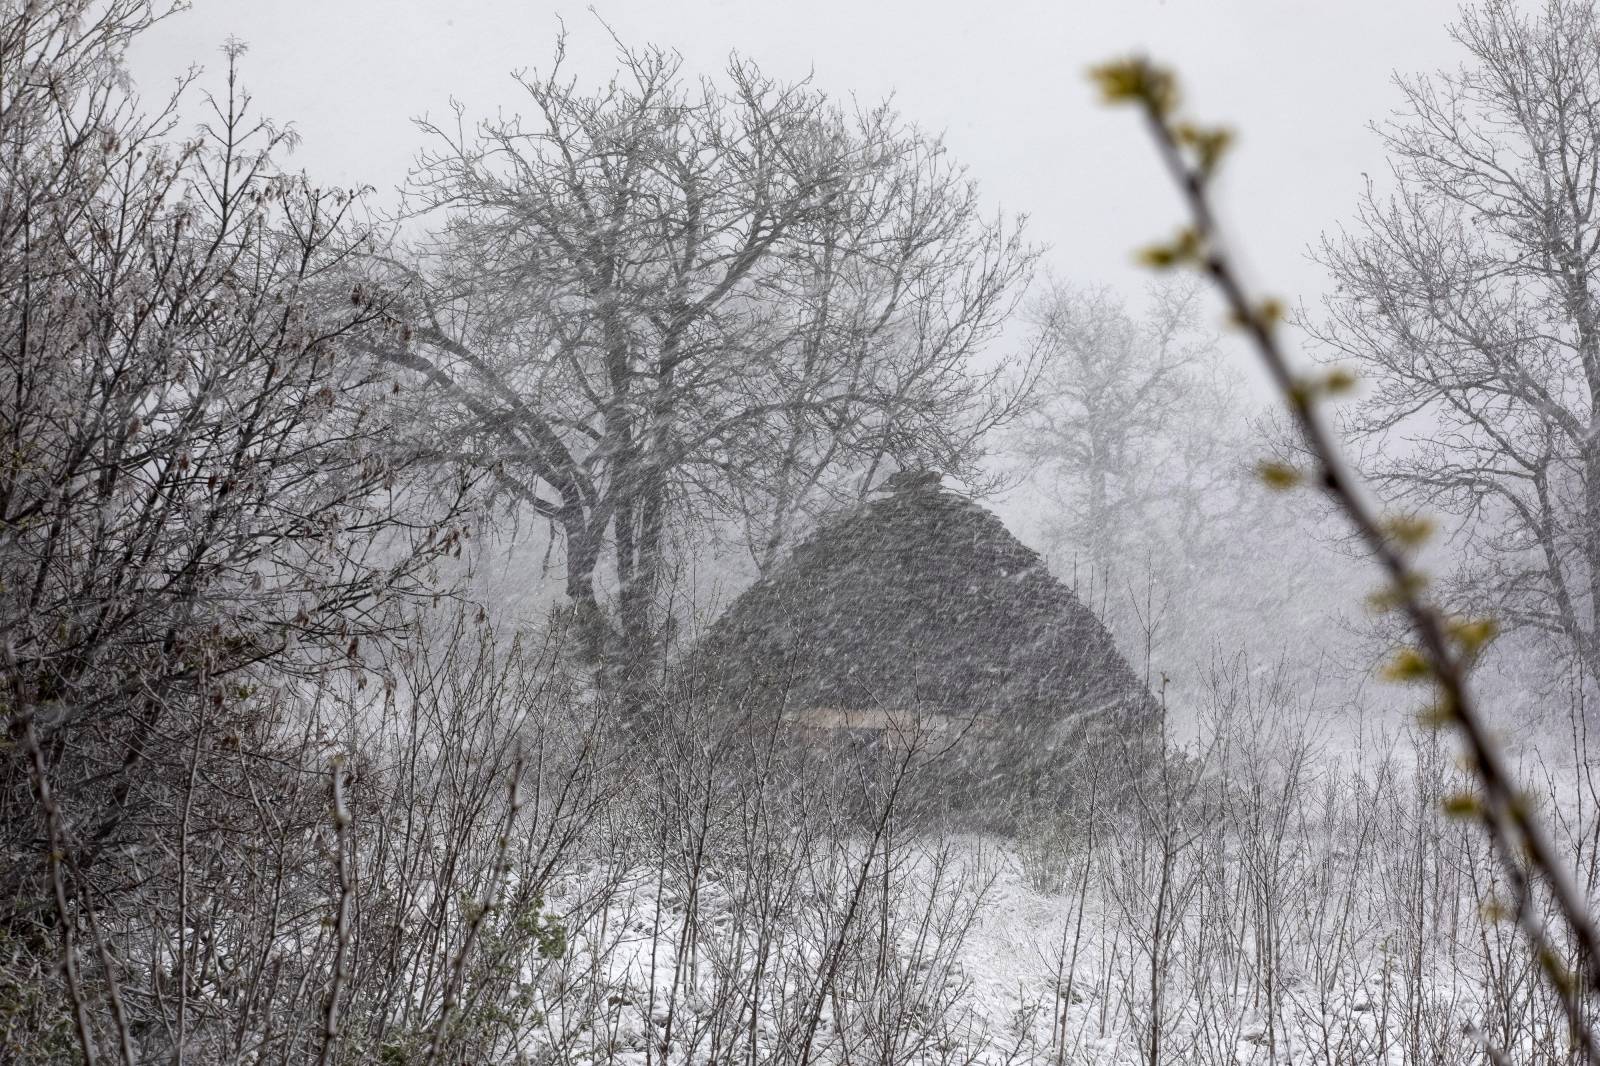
(919, 612)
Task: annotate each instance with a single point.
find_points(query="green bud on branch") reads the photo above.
(1137, 81)
(1408, 664)
(1278, 476)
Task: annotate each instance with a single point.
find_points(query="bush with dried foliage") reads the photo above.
(204, 494)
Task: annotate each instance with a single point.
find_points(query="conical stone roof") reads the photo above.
(922, 600)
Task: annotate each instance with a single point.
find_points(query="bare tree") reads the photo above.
(1114, 397)
(200, 480)
(1140, 436)
(665, 304)
(1466, 295)
(1446, 646)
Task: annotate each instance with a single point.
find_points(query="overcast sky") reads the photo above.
(1004, 80)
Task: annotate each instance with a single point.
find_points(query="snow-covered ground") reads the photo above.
(953, 951)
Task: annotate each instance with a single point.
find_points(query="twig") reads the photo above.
(479, 911)
(341, 826)
(1445, 651)
(57, 854)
